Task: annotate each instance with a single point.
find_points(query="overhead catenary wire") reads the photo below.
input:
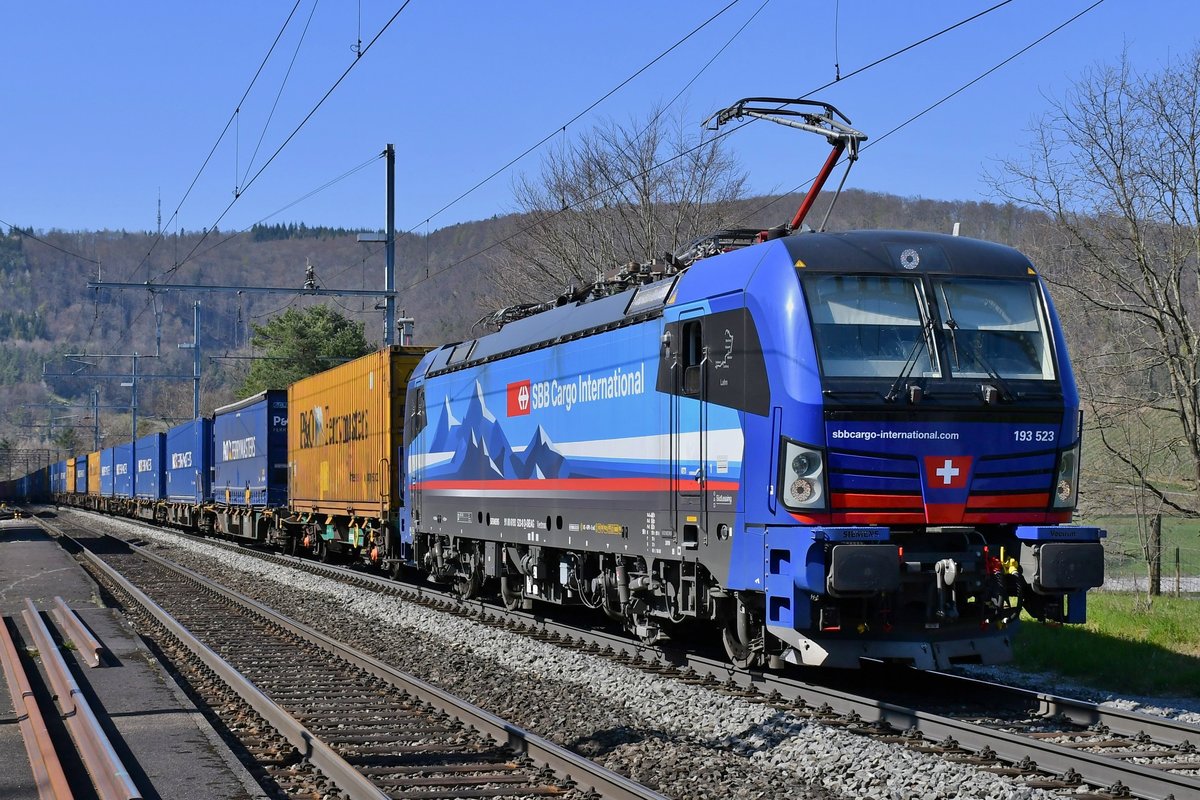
(29, 234)
(285, 142)
(278, 95)
(221, 136)
(944, 99)
(521, 231)
(333, 181)
(650, 123)
(562, 128)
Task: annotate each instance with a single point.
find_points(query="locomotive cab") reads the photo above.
(932, 459)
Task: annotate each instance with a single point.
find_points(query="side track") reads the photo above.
(395, 731)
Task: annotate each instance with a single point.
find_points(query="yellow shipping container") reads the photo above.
(93, 474)
(345, 433)
(69, 486)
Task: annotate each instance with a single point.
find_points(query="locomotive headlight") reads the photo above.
(804, 463)
(1066, 481)
(803, 476)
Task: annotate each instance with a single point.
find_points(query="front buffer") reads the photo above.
(838, 594)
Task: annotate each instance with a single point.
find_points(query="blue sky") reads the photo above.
(110, 105)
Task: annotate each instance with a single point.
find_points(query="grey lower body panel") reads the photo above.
(840, 652)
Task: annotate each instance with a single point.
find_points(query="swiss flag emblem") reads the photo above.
(518, 398)
(947, 472)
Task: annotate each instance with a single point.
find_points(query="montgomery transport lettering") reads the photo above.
(237, 449)
(870, 436)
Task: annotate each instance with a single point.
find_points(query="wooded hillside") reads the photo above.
(444, 279)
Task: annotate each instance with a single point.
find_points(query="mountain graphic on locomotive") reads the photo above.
(832, 446)
(821, 447)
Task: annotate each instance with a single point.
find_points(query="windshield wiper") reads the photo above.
(952, 326)
(977, 355)
(910, 363)
(1006, 392)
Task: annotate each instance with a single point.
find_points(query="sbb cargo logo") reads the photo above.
(518, 398)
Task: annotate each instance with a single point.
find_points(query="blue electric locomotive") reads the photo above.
(831, 446)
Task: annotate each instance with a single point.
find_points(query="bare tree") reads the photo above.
(1116, 167)
(621, 192)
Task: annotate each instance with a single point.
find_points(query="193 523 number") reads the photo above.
(1027, 435)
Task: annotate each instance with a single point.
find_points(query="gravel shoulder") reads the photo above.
(686, 741)
(1181, 709)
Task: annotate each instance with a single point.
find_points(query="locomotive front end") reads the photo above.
(932, 464)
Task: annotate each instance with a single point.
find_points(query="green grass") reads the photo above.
(1123, 648)
(1124, 547)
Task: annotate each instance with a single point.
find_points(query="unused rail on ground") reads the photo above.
(70, 624)
(573, 770)
(109, 775)
(48, 773)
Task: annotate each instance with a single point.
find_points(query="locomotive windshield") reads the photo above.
(870, 325)
(884, 325)
(993, 327)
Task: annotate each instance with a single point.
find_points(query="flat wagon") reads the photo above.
(345, 445)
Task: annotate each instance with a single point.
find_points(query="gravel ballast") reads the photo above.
(684, 740)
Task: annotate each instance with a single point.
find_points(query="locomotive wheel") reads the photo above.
(511, 597)
(743, 656)
(743, 637)
(465, 586)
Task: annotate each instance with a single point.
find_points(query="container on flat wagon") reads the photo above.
(106, 472)
(37, 484)
(149, 482)
(123, 470)
(32, 485)
(93, 473)
(81, 475)
(250, 451)
(69, 477)
(188, 461)
(345, 430)
(58, 477)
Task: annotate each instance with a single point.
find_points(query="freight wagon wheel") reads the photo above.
(321, 551)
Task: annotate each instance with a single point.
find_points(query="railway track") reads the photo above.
(1056, 743)
(318, 716)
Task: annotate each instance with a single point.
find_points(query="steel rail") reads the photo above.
(108, 773)
(582, 771)
(349, 780)
(47, 770)
(1095, 769)
(1092, 768)
(69, 623)
(1119, 721)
